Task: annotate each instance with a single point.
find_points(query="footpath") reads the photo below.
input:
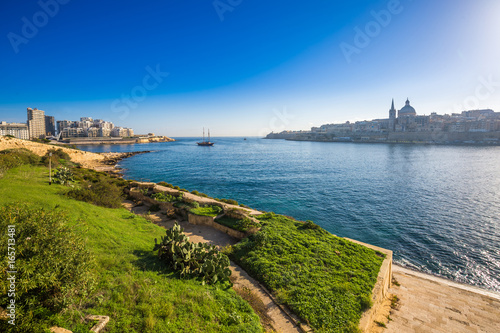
(431, 304)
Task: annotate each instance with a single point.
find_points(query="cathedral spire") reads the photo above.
(392, 106)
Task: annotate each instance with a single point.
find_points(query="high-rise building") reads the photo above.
(36, 123)
(50, 126)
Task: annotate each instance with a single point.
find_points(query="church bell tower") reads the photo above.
(392, 117)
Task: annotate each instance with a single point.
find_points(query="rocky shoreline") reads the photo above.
(111, 160)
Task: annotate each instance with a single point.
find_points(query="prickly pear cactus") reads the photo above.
(192, 259)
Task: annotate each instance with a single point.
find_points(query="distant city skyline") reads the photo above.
(248, 68)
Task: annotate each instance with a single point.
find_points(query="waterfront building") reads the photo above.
(122, 132)
(17, 130)
(36, 123)
(73, 132)
(62, 124)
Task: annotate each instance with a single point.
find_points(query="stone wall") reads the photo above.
(380, 291)
(210, 222)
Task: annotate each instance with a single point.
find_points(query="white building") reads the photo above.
(19, 131)
(36, 123)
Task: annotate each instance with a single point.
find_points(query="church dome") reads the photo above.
(407, 110)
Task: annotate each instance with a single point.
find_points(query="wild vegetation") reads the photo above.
(53, 266)
(98, 188)
(12, 158)
(326, 280)
(165, 197)
(137, 290)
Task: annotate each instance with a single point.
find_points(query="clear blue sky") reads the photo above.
(244, 67)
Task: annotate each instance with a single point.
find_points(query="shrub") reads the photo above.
(177, 188)
(238, 224)
(53, 266)
(230, 201)
(166, 184)
(192, 259)
(195, 192)
(103, 193)
(165, 197)
(58, 157)
(311, 225)
(12, 158)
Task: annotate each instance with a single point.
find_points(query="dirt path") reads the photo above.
(274, 316)
(431, 304)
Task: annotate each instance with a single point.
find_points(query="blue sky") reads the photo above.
(242, 67)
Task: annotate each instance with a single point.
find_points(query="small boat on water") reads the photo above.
(205, 143)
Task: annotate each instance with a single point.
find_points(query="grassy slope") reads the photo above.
(324, 279)
(135, 290)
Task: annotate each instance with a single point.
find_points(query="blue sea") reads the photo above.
(436, 207)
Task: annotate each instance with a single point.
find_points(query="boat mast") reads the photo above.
(203, 134)
(209, 135)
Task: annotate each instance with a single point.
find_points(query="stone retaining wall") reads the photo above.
(380, 290)
(210, 222)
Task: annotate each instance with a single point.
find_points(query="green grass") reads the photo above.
(137, 291)
(206, 211)
(326, 280)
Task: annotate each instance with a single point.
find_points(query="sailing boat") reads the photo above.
(205, 143)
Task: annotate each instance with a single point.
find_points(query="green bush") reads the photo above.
(165, 197)
(195, 192)
(230, 201)
(12, 158)
(53, 266)
(104, 193)
(192, 259)
(166, 184)
(242, 225)
(311, 225)
(58, 157)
